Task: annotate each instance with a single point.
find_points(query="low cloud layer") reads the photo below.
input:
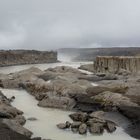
(52, 24)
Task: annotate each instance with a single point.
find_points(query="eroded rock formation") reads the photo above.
(117, 64)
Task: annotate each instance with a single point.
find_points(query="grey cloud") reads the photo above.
(50, 24)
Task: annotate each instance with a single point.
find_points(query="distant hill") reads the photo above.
(89, 54)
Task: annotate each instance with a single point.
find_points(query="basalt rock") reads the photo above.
(112, 100)
(17, 79)
(82, 117)
(20, 119)
(88, 122)
(15, 126)
(65, 125)
(7, 134)
(83, 129)
(110, 126)
(115, 64)
(10, 111)
(96, 128)
(95, 90)
(62, 125)
(65, 103)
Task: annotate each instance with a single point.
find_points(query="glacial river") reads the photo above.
(45, 125)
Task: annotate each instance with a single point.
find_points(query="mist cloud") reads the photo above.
(51, 24)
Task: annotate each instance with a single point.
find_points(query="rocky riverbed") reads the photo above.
(12, 121)
(67, 88)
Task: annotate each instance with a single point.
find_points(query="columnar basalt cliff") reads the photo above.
(117, 64)
(19, 57)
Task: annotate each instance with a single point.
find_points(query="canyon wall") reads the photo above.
(19, 57)
(115, 64)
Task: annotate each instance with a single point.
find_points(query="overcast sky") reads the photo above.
(49, 24)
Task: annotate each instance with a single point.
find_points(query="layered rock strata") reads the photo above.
(117, 64)
(19, 57)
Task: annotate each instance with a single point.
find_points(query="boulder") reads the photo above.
(110, 126)
(91, 122)
(73, 90)
(64, 125)
(83, 129)
(12, 111)
(58, 102)
(68, 124)
(15, 126)
(96, 128)
(20, 119)
(37, 88)
(85, 103)
(8, 134)
(113, 99)
(20, 77)
(79, 116)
